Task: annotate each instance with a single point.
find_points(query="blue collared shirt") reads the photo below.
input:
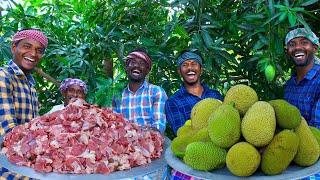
(145, 106)
(179, 105)
(305, 95)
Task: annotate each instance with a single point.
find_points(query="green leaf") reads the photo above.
(270, 19)
(281, 7)
(283, 16)
(263, 63)
(270, 4)
(303, 22)
(259, 44)
(252, 17)
(297, 9)
(181, 31)
(307, 3)
(207, 38)
(286, 2)
(292, 18)
(147, 42)
(127, 30)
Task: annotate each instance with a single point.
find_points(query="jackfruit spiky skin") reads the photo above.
(204, 156)
(201, 135)
(316, 132)
(308, 150)
(259, 124)
(243, 159)
(288, 116)
(243, 96)
(184, 130)
(201, 112)
(224, 126)
(179, 144)
(280, 152)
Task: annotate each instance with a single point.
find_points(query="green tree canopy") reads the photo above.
(88, 40)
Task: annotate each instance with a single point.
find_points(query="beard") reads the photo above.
(190, 83)
(303, 63)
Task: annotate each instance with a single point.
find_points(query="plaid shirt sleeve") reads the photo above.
(7, 110)
(174, 116)
(7, 175)
(158, 110)
(315, 116)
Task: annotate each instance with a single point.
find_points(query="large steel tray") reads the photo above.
(154, 166)
(292, 172)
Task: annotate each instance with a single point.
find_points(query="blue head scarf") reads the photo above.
(189, 56)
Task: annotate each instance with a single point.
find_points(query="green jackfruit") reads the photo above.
(201, 112)
(179, 144)
(184, 130)
(201, 135)
(259, 124)
(204, 156)
(316, 132)
(243, 96)
(188, 122)
(243, 159)
(288, 116)
(280, 152)
(224, 126)
(308, 150)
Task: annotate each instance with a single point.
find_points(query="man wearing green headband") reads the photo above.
(179, 105)
(303, 88)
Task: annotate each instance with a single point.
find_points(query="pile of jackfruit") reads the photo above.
(245, 135)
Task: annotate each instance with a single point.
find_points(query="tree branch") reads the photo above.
(47, 76)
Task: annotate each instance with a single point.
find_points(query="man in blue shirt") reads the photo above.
(178, 107)
(141, 101)
(303, 88)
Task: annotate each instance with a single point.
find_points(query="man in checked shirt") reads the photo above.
(303, 88)
(141, 101)
(18, 100)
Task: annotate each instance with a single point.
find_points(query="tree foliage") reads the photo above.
(238, 40)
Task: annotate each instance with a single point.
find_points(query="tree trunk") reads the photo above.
(108, 67)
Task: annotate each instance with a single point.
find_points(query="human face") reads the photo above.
(190, 71)
(27, 54)
(73, 91)
(136, 69)
(301, 51)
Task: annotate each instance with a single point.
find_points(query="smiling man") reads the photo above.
(141, 102)
(178, 107)
(71, 89)
(303, 88)
(19, 100)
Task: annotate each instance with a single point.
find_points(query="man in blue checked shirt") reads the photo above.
(141, 101)
(303, 88)
(19, 100)
(179, 105)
